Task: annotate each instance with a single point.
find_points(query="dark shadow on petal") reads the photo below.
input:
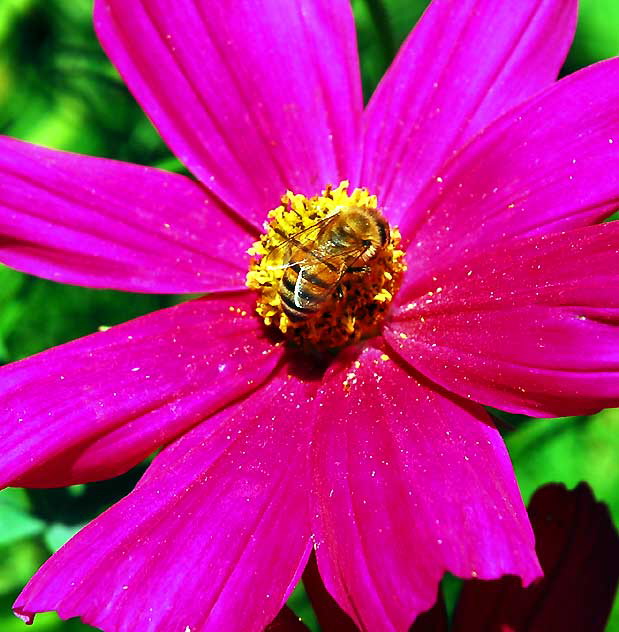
(286, 621)
(578, 548)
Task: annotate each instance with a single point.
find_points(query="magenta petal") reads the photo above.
(409, 484)
(465, 63)
(550, 164)
(214, 537)
(530, 326)
(103, 223)
(330, 616)
(94, 407)
(253, 98)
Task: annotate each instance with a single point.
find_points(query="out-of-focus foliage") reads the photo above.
(58, 89)
(597, 35)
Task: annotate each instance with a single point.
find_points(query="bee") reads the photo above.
(316, 258)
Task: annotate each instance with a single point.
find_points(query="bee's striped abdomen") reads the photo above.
(299, 302)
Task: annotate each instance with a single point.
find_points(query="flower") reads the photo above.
(379, 457)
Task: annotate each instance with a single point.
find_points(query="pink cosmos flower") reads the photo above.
(382, 460)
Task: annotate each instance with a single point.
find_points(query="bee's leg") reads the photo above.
(359, 269)
(339, 293)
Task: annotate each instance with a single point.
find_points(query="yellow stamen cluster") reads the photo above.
(357, 306)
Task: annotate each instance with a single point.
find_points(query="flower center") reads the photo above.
(326, 268)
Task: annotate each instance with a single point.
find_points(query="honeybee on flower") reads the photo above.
(316, 258)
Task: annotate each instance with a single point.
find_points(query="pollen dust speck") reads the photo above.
(326, 268)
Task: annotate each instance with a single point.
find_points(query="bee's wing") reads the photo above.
(279, 256)
(315, 268)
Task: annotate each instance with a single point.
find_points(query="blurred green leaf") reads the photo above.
(10, 282)
(569, 450)
(16, 523)
(44, 622)
(381, 28)
(299, 603)
(10, 307)
(51, 313)
(57, 534)
(18, 561)
(597, 35)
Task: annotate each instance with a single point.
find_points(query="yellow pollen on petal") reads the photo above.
(326, 268)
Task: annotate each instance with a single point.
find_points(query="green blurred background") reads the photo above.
(58, 89)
